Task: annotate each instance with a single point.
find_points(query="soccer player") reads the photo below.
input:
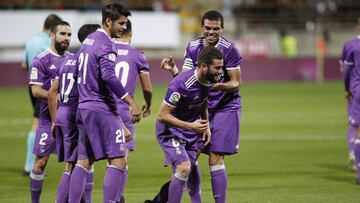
(43, 72)
(63, 120)
(102, 135)
(224, 105)
(34, 46)
(346, 68)
(183, 118)
(131, 63)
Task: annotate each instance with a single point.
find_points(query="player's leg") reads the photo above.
(178, 181)
(62, 193)
(79, 174)
(30, 157)
(194, 183)
(224, 141)
(130, 145)
(44, 146)
(37, 177)
(115, 179)
(89, 185)
(351, 136)
(218, 177)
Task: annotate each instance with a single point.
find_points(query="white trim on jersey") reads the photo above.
(168, 104)
(36, 83)
(233, 68)
(348, 63)
(124, 95)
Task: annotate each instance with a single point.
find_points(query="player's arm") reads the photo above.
(165, 116)
(205, 116)
(169, 64)
(114, 84)
(147, 92)
(38, 91)
(233, 85)
(52, 99)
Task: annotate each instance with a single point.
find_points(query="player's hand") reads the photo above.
(167, 63)
(127, 134)
(206, 138)
(199, 126)
(53, 133)
(145, 111)
(135, 113)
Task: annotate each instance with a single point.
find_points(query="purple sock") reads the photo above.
(113, 181)
(77, 184)
(357, 157)
(219, 183)
(194, 184)
(89, 186)
(120, 196)
(176, 188)
(62, 193)
(351, 140)
(36, 181)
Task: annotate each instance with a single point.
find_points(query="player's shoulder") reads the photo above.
(197, 42)
(223, 42)
(185, 79)
(43, 55)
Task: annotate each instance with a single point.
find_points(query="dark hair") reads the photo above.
(56, 24)
(208, 54)
(128, 28)
(213, 15)
(87, 29)
(50, 19)
(114, 11)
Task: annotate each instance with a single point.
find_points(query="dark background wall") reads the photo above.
(278, 69)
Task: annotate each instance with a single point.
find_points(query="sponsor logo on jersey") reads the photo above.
(175, 97)
(52, 67)
(123, 52)
(112, 57)
(34, 73)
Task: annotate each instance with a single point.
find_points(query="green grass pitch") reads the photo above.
(292, 149)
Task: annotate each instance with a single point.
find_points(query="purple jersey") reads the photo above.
(43, 71)
(130, 62)
(217, 99)
(96, 74)
(348, 46)
(187, 95)
(67, 75)
(352, 60)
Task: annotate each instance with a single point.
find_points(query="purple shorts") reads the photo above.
(126, 119)
(177, 150)
(44, 142)
(225, 131)
(101, 135)
(354, 109)
(67, 143)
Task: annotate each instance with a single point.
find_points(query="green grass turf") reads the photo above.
(293, 149)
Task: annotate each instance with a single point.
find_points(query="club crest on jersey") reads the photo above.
(34, 73)
(112, 57)
(175, 97)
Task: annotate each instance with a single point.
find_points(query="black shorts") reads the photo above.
(35, 103)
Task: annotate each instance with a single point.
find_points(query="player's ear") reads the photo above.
(52, 36)
(108, 22)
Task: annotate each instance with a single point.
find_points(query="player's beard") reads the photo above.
(213, 78)
(61, 47)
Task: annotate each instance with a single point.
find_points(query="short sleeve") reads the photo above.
(232, 58)
(37, 72)
(188, 60)
(173, 94)
(142, 64)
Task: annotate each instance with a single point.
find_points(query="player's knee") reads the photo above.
(85, 163)
(119, 162)
(183, 169)
(40, 163)
(215, 159)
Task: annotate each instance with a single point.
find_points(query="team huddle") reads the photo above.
(87, 111)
